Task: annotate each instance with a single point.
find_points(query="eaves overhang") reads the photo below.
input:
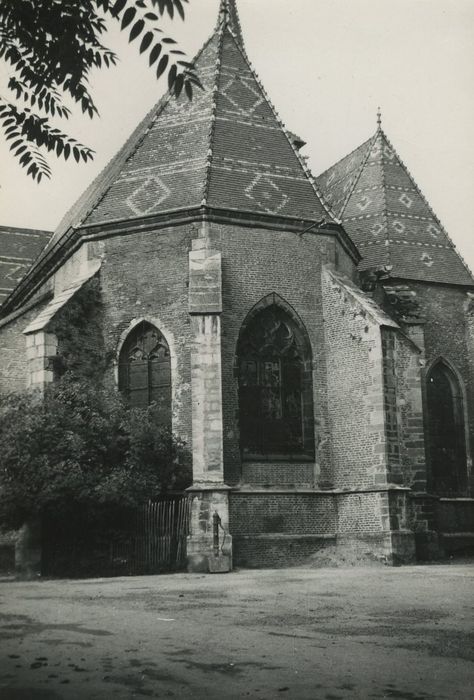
(74, 237)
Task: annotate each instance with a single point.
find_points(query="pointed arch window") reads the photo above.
(275, 387)
(446, 431)
(145, 370)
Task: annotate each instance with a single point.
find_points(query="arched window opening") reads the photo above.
(145, 371)
(275, 387)
(446, 431)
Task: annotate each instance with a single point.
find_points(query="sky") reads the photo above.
(327, 66)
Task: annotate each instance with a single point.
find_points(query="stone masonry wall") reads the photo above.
(449, 333)
(14, 371)
(403, 411)
(355, 389)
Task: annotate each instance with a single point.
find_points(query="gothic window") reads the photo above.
(145, 370)
(275, 387)
(446, 431)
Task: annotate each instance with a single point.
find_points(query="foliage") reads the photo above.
(51, 46)
(80, 446)
(78, 328)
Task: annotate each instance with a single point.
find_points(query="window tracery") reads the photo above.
(145, 370)
(275, 388)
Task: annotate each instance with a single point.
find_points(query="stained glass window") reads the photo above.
(145, 371)
(274, 377)
(446, 431)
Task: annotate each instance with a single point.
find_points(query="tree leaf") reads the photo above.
(178, 85)
(162, 65)
(172, 76)
(180, 8)
(154, 53)
(128, 16)
(136, 29)
(118, 7)
(188, 86)
(146, 41)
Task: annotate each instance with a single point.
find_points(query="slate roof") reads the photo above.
(19, 247)
(227, 149)
(388, 218)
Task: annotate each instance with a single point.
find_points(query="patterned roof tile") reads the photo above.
(226, 147)
(388, 218)
(19, 247)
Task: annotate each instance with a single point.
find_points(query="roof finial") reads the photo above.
(379, 118)
(229, 15)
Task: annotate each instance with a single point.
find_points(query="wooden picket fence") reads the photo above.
(150, 540)
(158, 543)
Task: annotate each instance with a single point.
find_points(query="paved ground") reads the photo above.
(294, 634)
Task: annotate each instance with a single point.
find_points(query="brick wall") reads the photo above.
(359, 513)
(256, 263)
(145, 275)
(255, 513)
(292, 474)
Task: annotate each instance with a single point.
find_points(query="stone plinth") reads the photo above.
(206, 500)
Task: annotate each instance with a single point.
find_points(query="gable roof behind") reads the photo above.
(388, 218)
(19, 247)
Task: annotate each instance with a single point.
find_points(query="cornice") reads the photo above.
(74, 237)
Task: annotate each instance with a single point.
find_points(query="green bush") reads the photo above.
(80, 446)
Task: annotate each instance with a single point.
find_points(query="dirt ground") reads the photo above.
(295, 633)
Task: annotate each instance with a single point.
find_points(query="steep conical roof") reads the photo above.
(226, 152)
(387, 216)
(228, 13)
(226, 149)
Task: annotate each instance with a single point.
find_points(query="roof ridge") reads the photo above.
(229, 16)
(212, 128)
(430, 209)
(380, 133)
(302, 163)
(370, 143)
(348, 155)
(22, 229)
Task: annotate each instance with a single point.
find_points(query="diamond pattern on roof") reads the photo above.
(265, 192)
(406, 200)
(388, 218)
(226, 148)
(242, 95)
(148, 196)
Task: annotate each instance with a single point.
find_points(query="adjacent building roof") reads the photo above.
(19, 247)
(388, 218)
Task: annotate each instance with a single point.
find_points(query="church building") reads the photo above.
(310, 338)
